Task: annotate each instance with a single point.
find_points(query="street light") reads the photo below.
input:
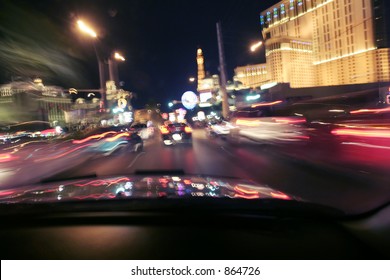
(113, 67)
(256, 46)
(86, 29)
(118, 56)
(89, 31)
(192, 79)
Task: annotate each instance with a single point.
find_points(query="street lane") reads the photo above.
(260, 163)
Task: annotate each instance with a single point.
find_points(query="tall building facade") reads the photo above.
(312, 43)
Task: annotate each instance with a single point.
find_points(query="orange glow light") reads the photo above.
(96, 136)
(164, 130)
(266, 104)
(245, 191)
(370, 111)
(116, 137)
(362, 133)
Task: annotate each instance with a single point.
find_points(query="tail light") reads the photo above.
(188, 129)
(164, 130)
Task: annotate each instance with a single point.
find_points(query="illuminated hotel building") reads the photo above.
(252, 76)
(311, 43)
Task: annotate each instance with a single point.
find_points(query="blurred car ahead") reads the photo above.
(218, 129)
(261, 123)
(125, 141)
(143, 130)
(176, 133)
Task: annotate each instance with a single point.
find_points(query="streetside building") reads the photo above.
(24, 101)
(319, 43)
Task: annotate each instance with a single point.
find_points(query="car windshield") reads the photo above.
(288, 95)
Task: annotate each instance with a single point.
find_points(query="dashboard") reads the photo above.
(186, 233)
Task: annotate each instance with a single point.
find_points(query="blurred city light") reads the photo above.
(119, 57)
(86, 29)
(256, 46)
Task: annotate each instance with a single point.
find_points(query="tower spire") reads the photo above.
(201, 71)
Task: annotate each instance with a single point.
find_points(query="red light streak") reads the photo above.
(289, 120)
(97, 183)
(245, 191)
(266, 104)
(280, 196)
(370, 111)
(6, 193)
(96, 136)
(362, 133)
(6, 157)
(116, 137)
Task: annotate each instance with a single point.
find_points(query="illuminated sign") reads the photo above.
(189, 100)
(122, 103)
(205, 96)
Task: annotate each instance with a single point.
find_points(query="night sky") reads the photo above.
(159, 38)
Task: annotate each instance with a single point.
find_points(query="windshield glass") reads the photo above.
(291, 97)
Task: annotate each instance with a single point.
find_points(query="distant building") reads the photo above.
(311, 43)
(24, 101)
(201, 69)
(252, 76)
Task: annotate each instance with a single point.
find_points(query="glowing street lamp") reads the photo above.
(89, 31)
(118, 56)
(256, 46)
(192, 79)
(86, 29)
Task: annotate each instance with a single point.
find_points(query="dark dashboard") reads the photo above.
(187, 231)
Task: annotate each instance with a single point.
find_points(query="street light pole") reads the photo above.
(222, 66)
(89, 31)
(113, 67)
